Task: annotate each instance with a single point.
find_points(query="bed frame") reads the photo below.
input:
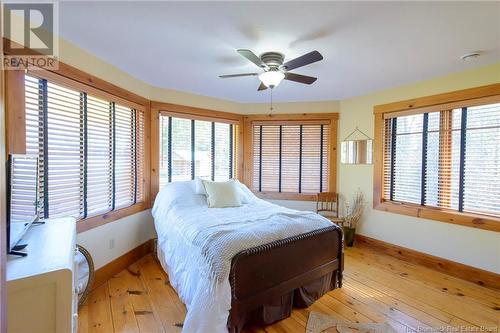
(267, 280)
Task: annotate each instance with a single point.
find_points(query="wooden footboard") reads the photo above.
(261, 274)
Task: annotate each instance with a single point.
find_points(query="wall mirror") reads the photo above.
(356, 151)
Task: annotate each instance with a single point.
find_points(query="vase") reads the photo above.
(349, 236)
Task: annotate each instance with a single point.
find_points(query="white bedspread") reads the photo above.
(196, 245)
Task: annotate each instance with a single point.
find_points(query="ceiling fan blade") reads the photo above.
(238, 75)
(300, 78)
(306, 59)
(252, 57)
(262, 87)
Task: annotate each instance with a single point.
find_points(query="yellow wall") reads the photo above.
(478, 248)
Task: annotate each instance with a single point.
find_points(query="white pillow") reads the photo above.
(199, 187)
(177, 193)
(247, 196)
(222, 194)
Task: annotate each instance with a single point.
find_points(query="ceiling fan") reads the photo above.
(275, 70)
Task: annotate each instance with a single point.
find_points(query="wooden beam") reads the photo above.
(15, 116)
(147, 157)
(378, 158)
(155, 153)
(3, 212)
(240, 157)
(247, 152)
(332, 159)
(468, 273)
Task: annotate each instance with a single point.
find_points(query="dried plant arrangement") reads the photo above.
(354, 210)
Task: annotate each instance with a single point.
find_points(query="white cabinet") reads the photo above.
(41, 287)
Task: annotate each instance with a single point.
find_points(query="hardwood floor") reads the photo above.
(377, 288)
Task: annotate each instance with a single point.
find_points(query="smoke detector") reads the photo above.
(471, 55)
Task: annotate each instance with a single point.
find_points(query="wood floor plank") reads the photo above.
(377, 288)
(433, 279)
(471, 311)
(166, 307)
(344, 310)
(375, 303)
(83, 318)
(147, 320)
(392, 319)
(99, 311)
(121, 304)
(476, 315)
(406, 300)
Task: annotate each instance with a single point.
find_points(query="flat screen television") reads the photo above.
(22, 198)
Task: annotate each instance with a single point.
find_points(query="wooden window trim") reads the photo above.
(78, 75)
(439, 102)
(286, 196)
(81, 87)
(67, 75)
(188, 112)
(98, 220)
(295, 118)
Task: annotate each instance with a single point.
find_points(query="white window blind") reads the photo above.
(64, 151)
(194, 148)
(23, 192)
(99, 156)
(90, 150)
(125, 137)
(223, 146)
(448, 159)
(290, 158)
(203, 151)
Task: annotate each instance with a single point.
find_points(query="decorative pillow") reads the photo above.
(222, 194)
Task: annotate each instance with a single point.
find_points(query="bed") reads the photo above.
(245, 265)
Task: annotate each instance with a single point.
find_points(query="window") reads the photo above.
(90, 150)
(292, 156)
(448, 159)
(442, 162)
(192, 148)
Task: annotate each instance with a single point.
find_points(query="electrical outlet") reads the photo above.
(111, 243)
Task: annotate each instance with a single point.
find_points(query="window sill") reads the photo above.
(96, 221)
(479, 221)
(286, 196)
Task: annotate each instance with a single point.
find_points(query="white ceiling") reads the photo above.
(367, 46)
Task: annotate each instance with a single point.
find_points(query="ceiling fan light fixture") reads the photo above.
(271, 79)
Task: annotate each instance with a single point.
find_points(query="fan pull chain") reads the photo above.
(271, 99)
